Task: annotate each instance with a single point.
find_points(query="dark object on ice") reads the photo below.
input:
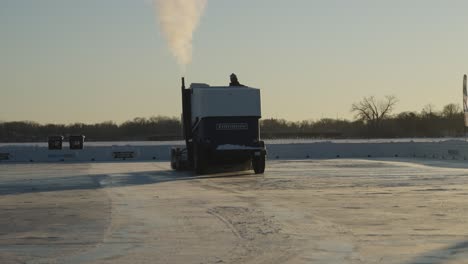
(55, 142)
(76, 142)
(4, 156)
(234, 81)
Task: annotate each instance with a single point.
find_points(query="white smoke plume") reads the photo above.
(178, 20)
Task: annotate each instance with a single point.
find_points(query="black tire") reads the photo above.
(258, 164)
(173, 160)
(199, 162)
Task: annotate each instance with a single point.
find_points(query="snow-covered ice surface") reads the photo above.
(301, 211)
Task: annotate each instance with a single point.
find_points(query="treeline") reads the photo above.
(407, 124)
(374, 120)
(427, 123)
(154, 128)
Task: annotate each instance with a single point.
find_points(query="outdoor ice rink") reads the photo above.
(309, 211)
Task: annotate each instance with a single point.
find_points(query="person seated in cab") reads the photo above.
(235, 81)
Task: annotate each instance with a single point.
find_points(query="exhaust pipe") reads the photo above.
(183, 82)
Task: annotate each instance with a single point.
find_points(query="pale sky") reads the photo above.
(64, 61)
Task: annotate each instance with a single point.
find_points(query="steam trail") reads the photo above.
(178, 20)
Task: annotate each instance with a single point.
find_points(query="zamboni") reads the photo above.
(220, 127)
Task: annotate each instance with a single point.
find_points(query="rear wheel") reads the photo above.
(258, 164)
(199, 161)
(173, 159)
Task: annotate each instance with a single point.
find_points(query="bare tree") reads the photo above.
(373, 111)
(428, 110)
(451, 110)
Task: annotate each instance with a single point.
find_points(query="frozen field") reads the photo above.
(310, 211)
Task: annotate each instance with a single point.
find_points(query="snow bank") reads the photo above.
(143, 151)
